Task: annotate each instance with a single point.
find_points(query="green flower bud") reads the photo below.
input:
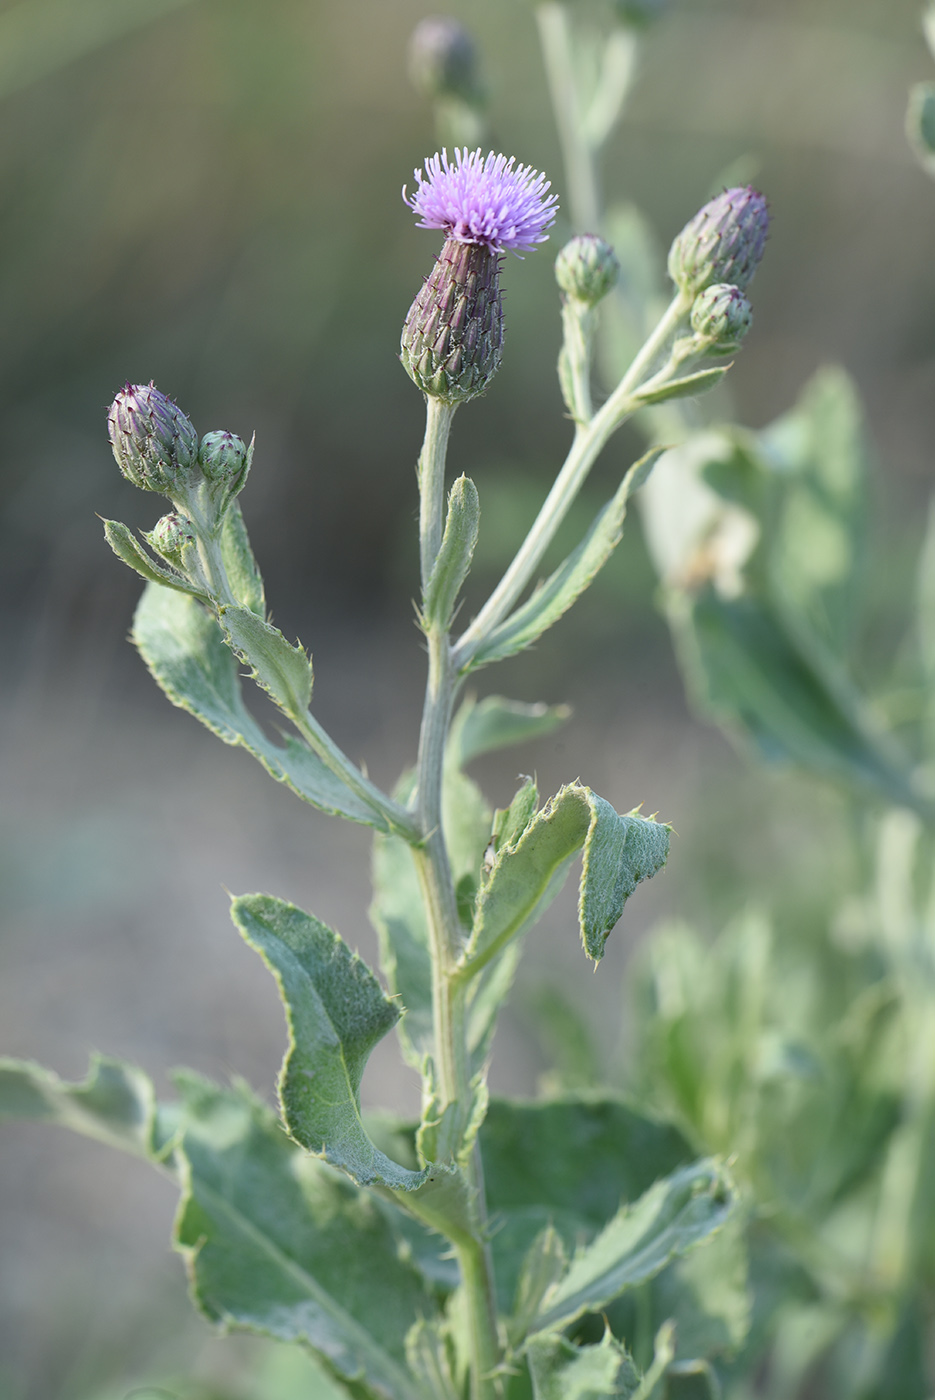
(223, 457)
(154, 443)
(452, 342)
(587, 268)
(722, 315)
(724, 242)
(171, 537)
(444, 61)
(637, 14)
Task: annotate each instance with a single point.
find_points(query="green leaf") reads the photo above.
(336, 1013)
(125, 546)
(453, 561)
(283, 670)
(816, 544)
(115, 1104)
(543, 1266)
(483, 726)
(560, 1370)
(184, 649)
(755, 674)
(672, 1217)
(277, 1243)
(689, 386)
(239, 563)
(554, 597)
(618, 852)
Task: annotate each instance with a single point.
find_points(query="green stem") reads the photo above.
(577, 152)
(589, 440)
(452, 1061)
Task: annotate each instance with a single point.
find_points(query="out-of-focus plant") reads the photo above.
(474, 1252)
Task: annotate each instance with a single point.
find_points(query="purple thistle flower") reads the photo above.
(487, 200)
(452, 341)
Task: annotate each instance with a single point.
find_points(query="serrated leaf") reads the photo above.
(240, 565)
(277, 1243)
(554, 597)
(688, 386)
(617, 853)
(115, 1104)
(483, 726)
(336, 1012)
(562, 1370)
(671, 1218)
(542, 1268)
(283, 670)
(123, 543)
(184, 649)
(453, 562)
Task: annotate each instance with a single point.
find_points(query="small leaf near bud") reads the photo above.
(154, 442)
(724, 242)
(444, 60)
(587, 268)
(171, 537)
(721, 315)
(223, 457)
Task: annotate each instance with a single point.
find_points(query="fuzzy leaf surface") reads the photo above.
(617, 853)
(239, 562)
(125, 546)
(668, 1220)
(277, 1243)
(453, 562)
(552, 599)
(336, 1012)
(283, 670)
(561, 1370)
(184, 649)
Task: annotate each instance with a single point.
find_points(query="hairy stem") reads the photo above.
(452, 1061)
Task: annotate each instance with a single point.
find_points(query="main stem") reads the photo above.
(452, 1061)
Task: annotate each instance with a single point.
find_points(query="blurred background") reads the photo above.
(206, 193)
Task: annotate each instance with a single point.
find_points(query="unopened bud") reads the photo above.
(444, 61)
(171, 537)
(637, 14)
(722, 315)
(452, 342)
(587, 268)
(223, 457)
(724, 242)
(154, 443)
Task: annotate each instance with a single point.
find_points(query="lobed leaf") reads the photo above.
(115, 1104)
(618, 852)
(284, 671)
(556, 595)
(125, 546)
(184, 650)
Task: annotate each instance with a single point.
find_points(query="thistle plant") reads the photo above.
(403, 1257)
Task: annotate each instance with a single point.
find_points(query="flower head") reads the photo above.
(724, 242)
(487, 200)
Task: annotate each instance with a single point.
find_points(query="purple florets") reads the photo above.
(486, 200)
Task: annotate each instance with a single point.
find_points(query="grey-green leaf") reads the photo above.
(283, 670)
(561, 1370)
(618, 852)
(336, 1013)
(278, 1243)
(115, 1104)
(552, 599)
(689, 386)
(123, 543)
(239, 562)
(672, 1217)
(454, 557)
(483, 726)
(184, 649)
